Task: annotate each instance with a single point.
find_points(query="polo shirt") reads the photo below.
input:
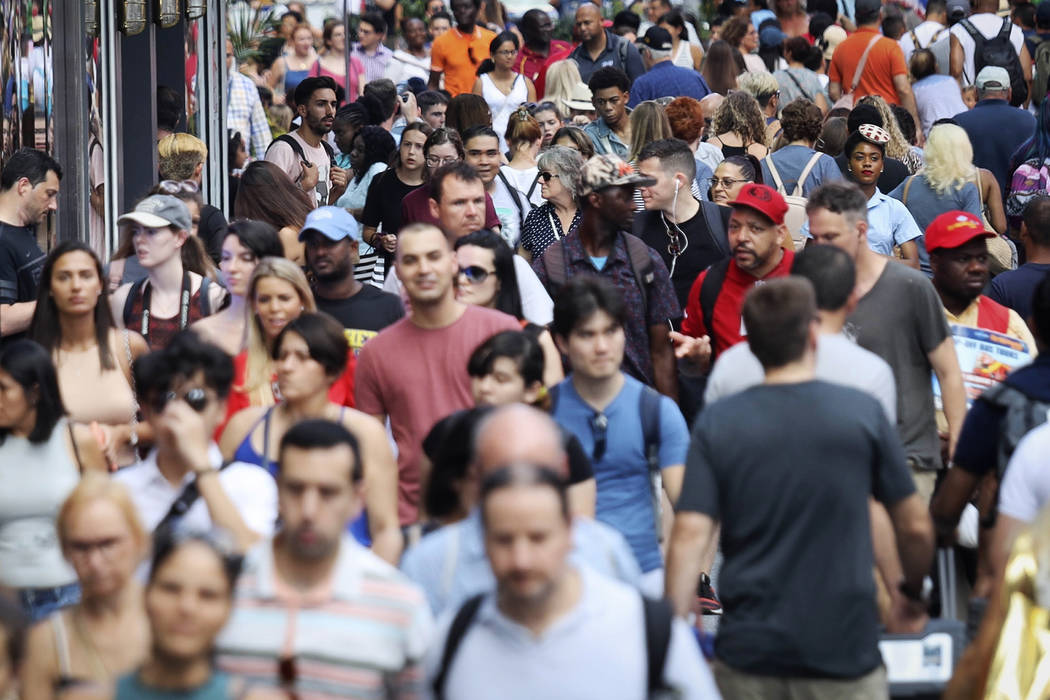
(889, 224)
(605, 140)
(996, 130)
(612, 55)
(594, 650)
(662, 303)
(361, 634)
(251, 489)
(450, 564)
(728, 323)
(458, 56)
(665, 79)
(884, 62)
(534, 66)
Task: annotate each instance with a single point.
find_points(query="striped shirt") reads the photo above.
(362, 634)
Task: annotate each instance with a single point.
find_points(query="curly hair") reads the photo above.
(801, 121)
(648, 124)
(740, 114)
(898, 146)
(949, 158)
(686, 118)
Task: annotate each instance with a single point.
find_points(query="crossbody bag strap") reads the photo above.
(907, 186)
(799, 85)
(863, 61)
(805, 173)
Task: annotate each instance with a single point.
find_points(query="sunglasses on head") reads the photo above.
(177, 186)
(475, 274)
(196, 398)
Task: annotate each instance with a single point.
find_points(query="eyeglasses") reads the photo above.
(725, 182)
(434, 161)
(475, 274)
(599, 428)
(545, 176)
(196, 398)
(177, 186)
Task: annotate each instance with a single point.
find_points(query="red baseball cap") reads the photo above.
(763, 199)
(953, 229)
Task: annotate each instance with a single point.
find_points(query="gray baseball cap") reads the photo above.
(158, 211)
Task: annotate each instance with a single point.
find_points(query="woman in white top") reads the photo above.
(41, 458)
(524, 136)
(683, 53)
(503, 89)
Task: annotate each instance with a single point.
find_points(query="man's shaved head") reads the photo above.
(519, 433)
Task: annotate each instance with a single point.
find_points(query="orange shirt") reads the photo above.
(884, 61)
(458, 56)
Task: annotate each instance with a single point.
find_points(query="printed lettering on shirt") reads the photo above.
(357, 337)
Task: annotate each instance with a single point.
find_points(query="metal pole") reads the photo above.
(111, 114)
(346, 46)
(212, 98)
(71, 115)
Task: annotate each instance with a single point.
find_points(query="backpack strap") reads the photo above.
(532, 188)
(658, 620)
(978, 46)
(718, 233)
(296, 147)
(515, 195)
(456, 632)
(641, 267)
(1004, 31)
(622, 50)
(805, 173)
(710, 288)
(129, 301)
(768, 160)
(907, 186)
(182, 504)
(204, 301)
(915, 40)
(552, 392)
(649, 411)
(863, 61)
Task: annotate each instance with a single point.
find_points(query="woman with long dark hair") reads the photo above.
(683, 53)
(503, 88)
(720, 68)
(742, 36)
(74, 323)
(42, 456)
(266, 193)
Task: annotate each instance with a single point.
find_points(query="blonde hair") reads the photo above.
(898, 146)
(179, 155)
(949, 158)
(282, 116)
(648, 123)
(758, 85)
(562, 77)
(259, 368)
(99, 487)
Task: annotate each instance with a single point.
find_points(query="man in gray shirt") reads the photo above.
(899, 318)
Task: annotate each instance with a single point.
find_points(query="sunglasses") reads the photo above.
(177, 186)
(196, 398)
(599, 428)
(475, 274)
(545, 176)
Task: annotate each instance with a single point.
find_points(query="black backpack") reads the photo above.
(658, 620)
(998, 51)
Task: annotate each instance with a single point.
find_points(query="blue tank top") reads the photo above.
(293, 77)
(129, 687)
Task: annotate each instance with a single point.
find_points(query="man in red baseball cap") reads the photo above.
(958, 247)
(712, 320)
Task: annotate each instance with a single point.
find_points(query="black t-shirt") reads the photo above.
(894, 173)
(702, 250)
(383, 204)
(795, 527)
(212, 231)
(21, 262)
(364, 314)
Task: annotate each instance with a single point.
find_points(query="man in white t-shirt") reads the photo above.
(304, 154)
(988, 24)
(931, 34)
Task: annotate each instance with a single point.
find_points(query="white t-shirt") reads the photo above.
(404, 65)
(510, 216)
(282, 155)
(1026, 485)
(925, 32)
(989, 26)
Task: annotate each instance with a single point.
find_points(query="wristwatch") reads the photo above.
(922, 595)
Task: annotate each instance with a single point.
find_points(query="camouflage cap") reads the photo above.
(609, 171)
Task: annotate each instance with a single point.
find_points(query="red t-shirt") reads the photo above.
(415, 209)
(884, 62)
(728, 324)
(534, 67)
(417, 376)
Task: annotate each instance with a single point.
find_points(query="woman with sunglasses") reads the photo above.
(245, 245)
(310, 357)
(487, 278)
(42, 456)
(106, 634)
(503, 88)
(890, 224)
(382, 210)
(730, 177)
(73, 323)
(559, 216)
(174, 293)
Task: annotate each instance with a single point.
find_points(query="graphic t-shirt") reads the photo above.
(364, 314)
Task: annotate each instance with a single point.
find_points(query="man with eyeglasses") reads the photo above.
(637, 439)
(374, 56)
(611, 131)
(317, 614)
(183, 482)
(757, 233)
(540, 49)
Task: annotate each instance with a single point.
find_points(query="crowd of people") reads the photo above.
(488, 386)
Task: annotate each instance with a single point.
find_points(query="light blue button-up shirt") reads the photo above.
(889, 224)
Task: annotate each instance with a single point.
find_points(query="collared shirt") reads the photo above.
(606, 140)
(245, 114)
(361, 634)
(375, 64)
(450, 564)
(889, 224)
(665, 79)
(611, 55)
(534, 66)
(594, 650)
(662, 302)
(251, 489)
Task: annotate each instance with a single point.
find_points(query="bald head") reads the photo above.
(710, 104)
(519, 433)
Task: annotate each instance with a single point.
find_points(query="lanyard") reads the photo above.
(184, 305)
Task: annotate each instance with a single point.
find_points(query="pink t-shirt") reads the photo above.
(417, 376)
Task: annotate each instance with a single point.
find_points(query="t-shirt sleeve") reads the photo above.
(536, 305)
(368, 392)
(663, 302)
(1023, 491)
(979, 439)
(700, 485)
(693, 320)
(892, 476)
(895, 58)
(437, 57)
(372, 213)
(904, 227)
(834, 72)
(674, 435)
(580, 468)
(929, 317)
(491, 217)
(827, 169)
(282, 155)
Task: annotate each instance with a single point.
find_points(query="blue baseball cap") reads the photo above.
(335, 223)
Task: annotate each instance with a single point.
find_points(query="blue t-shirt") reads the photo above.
(926, 204)
(1015, 288)
(790, 161)
(622, 474)
(129, 687)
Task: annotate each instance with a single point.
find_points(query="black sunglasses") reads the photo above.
(599, 427)
(197, 399)
(545, 176)
(475, 274)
